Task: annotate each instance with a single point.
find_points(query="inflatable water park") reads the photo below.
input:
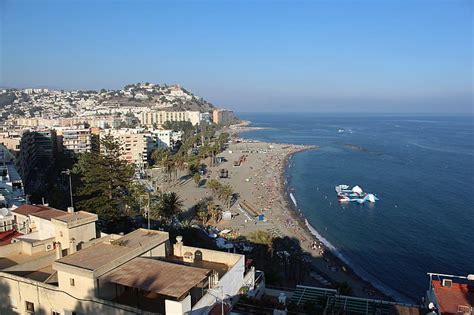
(354, 194)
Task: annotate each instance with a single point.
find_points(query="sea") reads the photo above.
(420, 167)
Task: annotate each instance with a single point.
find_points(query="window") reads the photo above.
(71, 282)
(55, 313)
(30, 307)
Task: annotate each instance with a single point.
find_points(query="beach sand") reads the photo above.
(260, 182)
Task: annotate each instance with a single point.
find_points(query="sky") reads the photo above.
(251, 56)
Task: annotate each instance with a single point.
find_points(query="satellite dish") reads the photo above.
(4, 212)
(431, 306)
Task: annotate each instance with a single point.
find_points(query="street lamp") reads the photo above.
(147, 207)
(68, 172)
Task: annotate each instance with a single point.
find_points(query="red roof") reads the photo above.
(6, 237)
(30, 209)
(451, 298)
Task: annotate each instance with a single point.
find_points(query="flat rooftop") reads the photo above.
(161, 277)
(49, 214)
(29, 209)
(75, 216)
(450, 298)
(98, 255)
(18, 259)
(221, 269)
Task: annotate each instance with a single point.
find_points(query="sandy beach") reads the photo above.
(260, 183)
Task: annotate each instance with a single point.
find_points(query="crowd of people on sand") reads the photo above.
(267, 193)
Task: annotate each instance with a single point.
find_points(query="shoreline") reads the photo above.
(329, 251)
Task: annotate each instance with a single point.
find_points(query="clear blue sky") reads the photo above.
(384, 56)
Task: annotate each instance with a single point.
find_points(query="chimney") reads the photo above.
(72, 246)
(59, 250)
(178, 247)
(213, 279)
(70, 209)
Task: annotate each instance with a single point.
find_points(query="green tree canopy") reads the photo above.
(105, 182)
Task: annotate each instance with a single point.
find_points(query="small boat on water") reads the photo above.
(356, 194)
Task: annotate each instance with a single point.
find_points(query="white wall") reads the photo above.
(47, 298)
(178, 308)
(230, 284)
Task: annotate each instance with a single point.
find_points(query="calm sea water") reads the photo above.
(421, 168)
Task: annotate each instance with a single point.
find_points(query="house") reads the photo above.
(450, 294)
(137, 273)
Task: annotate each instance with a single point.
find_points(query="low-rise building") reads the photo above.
(139, 273)
(450, 294)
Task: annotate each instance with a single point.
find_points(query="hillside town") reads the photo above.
(146, 200)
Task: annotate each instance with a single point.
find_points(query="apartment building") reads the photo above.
(158, 118)
(37, 151)
(135, 144)
(222, 116)
(138, 273)
(72, 140)
(165, 138)
(11, 189)
(11, 140)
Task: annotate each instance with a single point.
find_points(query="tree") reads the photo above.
(213, 185)
(261, 237)
(213, 211)
(159, 155)
(197, 179)
(225, 194)
(202, 212)
(170, 206)
(105, 181)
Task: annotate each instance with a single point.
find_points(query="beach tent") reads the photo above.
(357, 190)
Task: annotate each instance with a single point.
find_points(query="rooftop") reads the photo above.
(450, 298)
(100, 254)
(76, 216)
(49, 213)
(29, 209)
(147, 274)
(6, 237)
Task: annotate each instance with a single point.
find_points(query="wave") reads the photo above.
(360, 272)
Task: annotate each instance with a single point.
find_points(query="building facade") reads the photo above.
(158, 118)
(56, 269)
(222, 116)
(74, 140)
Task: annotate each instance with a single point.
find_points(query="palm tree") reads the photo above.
(213, 211)
(197, 179)
(213, 185)
(202, 212)
(170, 206)
(225, 194)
